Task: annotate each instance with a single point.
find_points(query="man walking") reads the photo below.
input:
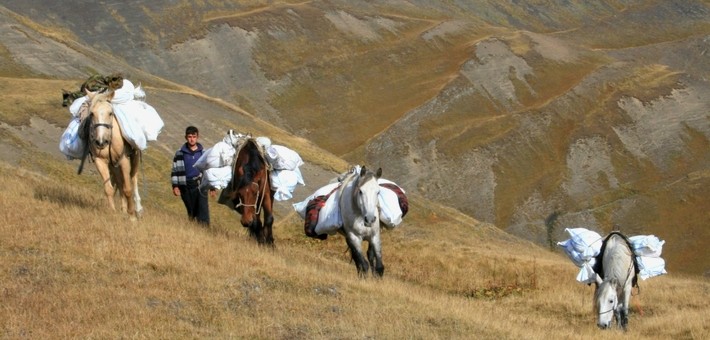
(186, 178)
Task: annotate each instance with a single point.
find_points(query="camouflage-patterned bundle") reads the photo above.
(101, 83)
(95, 83)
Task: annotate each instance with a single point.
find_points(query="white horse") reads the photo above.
(360, 212)
(613, 288)
(116, 160)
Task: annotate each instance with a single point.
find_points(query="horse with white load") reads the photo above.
(613, 264)
(115, 158)
(613, 286)
(360, 212)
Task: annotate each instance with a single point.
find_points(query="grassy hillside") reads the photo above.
(72, 269)
(69, 268)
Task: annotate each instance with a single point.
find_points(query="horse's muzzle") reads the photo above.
(100, 143)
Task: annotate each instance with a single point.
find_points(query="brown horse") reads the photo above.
(116, 160)
(252, 194)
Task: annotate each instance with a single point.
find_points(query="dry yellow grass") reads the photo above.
(71, 269)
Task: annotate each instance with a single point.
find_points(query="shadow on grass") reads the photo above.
(64, 196)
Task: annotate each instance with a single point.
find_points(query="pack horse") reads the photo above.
(360, 212)
(252, 194)
(613, 288)
(116, 160)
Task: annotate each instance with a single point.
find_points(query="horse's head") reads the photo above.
(102, 117)
(606, 301)
(365, 195)
(252, 183)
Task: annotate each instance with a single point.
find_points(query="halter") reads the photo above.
(98, 125)
(257, 204)
(109, 126)
(610, 310)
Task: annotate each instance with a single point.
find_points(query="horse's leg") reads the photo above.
(355, 245)
(269, 220)
(255, 229)
(109, 190)
(127, 187)
(135, 159)
(268, 228)
(118, 186)
(374, 256)
(624, 321)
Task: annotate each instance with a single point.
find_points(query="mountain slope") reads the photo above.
(563, 114)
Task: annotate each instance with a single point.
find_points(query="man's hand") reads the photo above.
(176, 191)
(213, 193)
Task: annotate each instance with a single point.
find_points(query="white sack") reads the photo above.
(207, 160)
(583, 245)
(586, 273)
(284, 182)
(646, 245)
(150, 121)
(216, 178)
(283, 158)
(139, 121)
(390, 211)
(650, 266)
(75, 106)
(220, 155)
(329, 219)
(130, 128)
(70, 144)
(300, 207)
(265, 142)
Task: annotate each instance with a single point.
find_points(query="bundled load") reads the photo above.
(647, 249)
(70, 144)
(140, 122)
(584, 245)
(393, 203)
(321, 210)
(286, 171)
(216, 164)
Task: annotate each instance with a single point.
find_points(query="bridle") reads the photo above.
(258, 204)
(95, 126)
(109, 126)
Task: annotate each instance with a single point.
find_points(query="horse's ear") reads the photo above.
(363, 171)
(599, 279)
(90, 94)
(378, 174)
(110, 95)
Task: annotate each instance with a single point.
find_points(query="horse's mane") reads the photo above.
(599, 263)
(254, 165)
